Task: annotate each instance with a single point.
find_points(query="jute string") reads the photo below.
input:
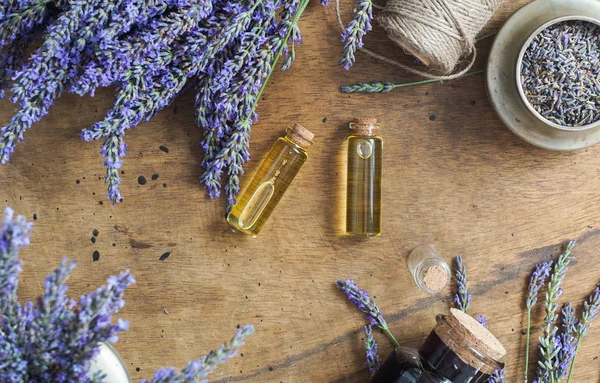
(440, 33)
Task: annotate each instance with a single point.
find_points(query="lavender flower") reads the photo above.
(462, 299)
(18, 18)
(358, 27)
(497, 377)
(371, 351)
(202, 367)
(537, 281)
(367, 305)
(549, 342)
(388, 86)
(567, 341)
(591, 309)
(483, 321)
(14, 234)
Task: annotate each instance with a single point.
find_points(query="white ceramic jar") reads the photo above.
(110, 364)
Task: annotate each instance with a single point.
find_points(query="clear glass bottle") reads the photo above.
(363, 193)
(458, 350)
(276, 172)
(429, 271)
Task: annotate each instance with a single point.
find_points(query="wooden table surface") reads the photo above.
(462, 182)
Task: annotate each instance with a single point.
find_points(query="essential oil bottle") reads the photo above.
(458, 350)
(276, 172)
(363, 193)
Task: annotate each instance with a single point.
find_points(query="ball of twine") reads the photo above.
(440, 33)
(437, 32)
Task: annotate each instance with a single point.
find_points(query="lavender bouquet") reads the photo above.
(55, 339)
(150, 51)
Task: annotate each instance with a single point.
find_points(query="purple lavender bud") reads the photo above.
(497, 377)
(14, 234)
(481, 319)
(462, 298)
(364, 302)
(372, 359)
(591, 309)
(202, 367)
(358, 27)
(538, 278)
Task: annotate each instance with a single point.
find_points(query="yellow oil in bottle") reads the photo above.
(276, 172)
(363, 193)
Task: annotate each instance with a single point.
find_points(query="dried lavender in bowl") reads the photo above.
(560, 73)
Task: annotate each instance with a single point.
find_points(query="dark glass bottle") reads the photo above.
(458, 350)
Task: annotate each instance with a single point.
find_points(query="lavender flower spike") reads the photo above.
(497, 377)
(567, 341)
(591, 309)
(202, 367)
(481, 319)
(371, 351)
(538, 278)
(367, 305)
(358, 27)
(549, 347)
(462, 299)
(14, 234)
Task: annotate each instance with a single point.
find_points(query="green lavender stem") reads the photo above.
(391, 336)
(573, 361)
(387, 86)
(528, 338)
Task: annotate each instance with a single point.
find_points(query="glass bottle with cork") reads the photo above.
(363, 193)
(458, 350)
(274, 175)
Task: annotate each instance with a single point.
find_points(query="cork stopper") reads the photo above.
(364, 126)
(468, 338)
(300, 135)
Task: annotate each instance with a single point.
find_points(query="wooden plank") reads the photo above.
(462, 182)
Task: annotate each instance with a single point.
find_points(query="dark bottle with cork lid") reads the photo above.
(256, 203)
(458, 350)
(363, 189)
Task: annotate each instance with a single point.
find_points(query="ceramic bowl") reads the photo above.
(503, 70)
(526, 45)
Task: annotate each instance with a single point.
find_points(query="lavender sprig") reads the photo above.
(549, 347)
(462, 298)
(388, 86)
(591, 309)
(357, 28)
(372, 359)
(536, 282)
(568, 342)
(14, 234)
(202, 367)
(367, 305)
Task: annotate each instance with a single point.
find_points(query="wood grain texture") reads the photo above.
(460, 181)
